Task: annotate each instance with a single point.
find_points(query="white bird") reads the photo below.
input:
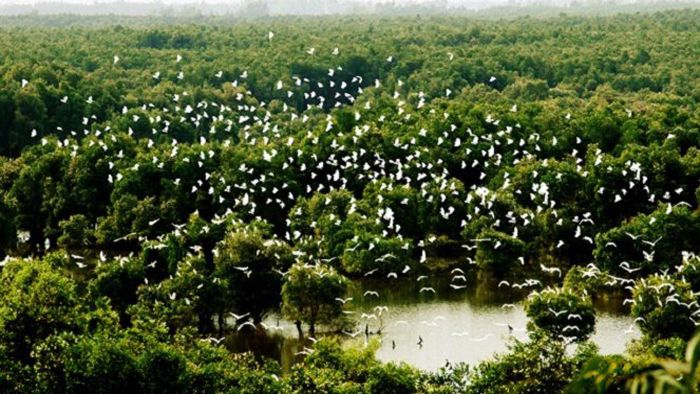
(634, 237)
(481, 339)
(352, 334)
(214, 340)
(248, 323)
(352, 249)
(557, 313)
(238, 317)
(653, 244)
(344, 300)
(550, 270)
(372, 271)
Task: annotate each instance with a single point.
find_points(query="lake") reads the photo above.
(460, 325)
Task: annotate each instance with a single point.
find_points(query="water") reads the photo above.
(464, 325)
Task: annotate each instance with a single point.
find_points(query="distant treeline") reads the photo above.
(196, 11)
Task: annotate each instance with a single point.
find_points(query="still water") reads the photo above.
(460, 325)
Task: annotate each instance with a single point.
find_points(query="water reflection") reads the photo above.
(460, 325)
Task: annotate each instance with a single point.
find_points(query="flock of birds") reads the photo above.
(251, 122)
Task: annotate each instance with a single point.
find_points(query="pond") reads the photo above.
(468, 324)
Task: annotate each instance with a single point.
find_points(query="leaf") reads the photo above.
(662, 381)
(674, 367)
(692, 355)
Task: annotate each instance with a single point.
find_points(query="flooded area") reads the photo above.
(426, 329)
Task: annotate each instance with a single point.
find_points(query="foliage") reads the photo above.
(585, 280)
(539, 365)
(615, 374)
(309, 294)
(499, 252)
(188, 166)
(252, 268)
(562, 314)
(119, 282)
(36, 302)
(331, 368)
(661, 306)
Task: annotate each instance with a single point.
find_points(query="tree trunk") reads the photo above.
(301, 333)
(312, 329)
(222, 322)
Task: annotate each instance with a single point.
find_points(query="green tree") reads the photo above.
(252, 268)
(660, 304)
(309, 295)
(8, 232)
(561, 313)
(37, 301)
(76, 233)
(540, 365)
(119, 282)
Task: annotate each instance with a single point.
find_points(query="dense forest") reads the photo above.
(166, 185)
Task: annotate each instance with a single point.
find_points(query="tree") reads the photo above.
(252, 268)
(76, 233)
(562, 314)
(585, 280)
(392, 379)
(101, 364)
(637, 376)
(36, 301)
(658, 305)
(657, 241)
(189, 298)
(540, 365)
(8, 232)
(367, 251)
(119, 282)
(335, 368)
(310, 293)
(500, 253)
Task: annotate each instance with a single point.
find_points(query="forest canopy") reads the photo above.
(164, 186)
